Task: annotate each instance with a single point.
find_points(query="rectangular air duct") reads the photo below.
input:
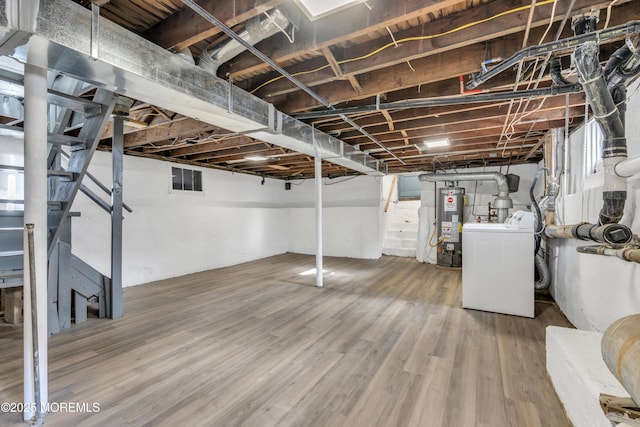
(131, 66)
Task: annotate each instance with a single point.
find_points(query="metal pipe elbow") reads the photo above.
(500, 179)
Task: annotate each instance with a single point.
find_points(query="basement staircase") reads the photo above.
(77, 115)
(401, 235)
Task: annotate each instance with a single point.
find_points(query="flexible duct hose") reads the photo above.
(544, 275)
(538, 213)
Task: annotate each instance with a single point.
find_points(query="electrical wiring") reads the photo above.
(511, 125)
(410, 39)
(606, 24)
(291, 37)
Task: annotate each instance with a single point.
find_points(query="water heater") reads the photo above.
(449, 220)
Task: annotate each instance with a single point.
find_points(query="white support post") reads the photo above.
(318, 182)
(35, 212)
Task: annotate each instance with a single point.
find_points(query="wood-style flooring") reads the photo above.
(384, 343)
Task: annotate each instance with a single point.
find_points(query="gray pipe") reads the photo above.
(444, 101)
(611, 234)
(555, 71)
(629, 28)
(627, 254)
(609, 117)
(256, 30)
(543, 272)
(502, 202)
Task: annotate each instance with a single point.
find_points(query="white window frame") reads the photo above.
(183, 190)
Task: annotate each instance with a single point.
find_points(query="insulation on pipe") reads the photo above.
(611, 234)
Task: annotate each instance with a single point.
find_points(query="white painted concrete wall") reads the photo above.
(235, 220)
(352, 217)
(171, 233)
(477, 202)
(594, 291)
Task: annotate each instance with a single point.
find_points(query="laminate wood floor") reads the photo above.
(385, 343)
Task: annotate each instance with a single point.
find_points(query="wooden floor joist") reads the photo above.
(386, 342)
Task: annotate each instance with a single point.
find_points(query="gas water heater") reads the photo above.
(449, 220)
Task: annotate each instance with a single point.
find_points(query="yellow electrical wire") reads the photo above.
(410, 39)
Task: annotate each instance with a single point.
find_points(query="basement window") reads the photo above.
(186, 179)
(592, 147)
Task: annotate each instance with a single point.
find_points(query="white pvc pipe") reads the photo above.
(35, 212)
(318, 182)
(628, 167)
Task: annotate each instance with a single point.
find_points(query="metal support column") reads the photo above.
(115, 309)
(35, 212)
(318, 182)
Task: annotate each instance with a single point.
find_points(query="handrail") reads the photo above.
(393, 183)
(99, 184)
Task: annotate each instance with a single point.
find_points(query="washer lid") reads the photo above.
(483, 227)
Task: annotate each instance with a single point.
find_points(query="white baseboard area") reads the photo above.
(579, 375)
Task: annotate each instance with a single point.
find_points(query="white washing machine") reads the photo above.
(497, 266)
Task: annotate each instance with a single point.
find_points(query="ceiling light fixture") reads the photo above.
(315, 9)
(256, 158)
(435, 143)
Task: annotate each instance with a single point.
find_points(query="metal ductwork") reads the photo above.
(603, 99)
(122, 62)
(256, 30)
(502, 202)
(544, 275)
